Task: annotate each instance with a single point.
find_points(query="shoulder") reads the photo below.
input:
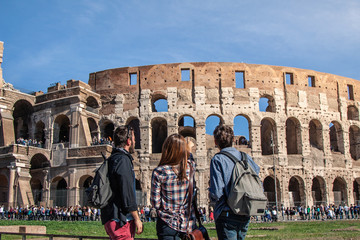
(161, 171)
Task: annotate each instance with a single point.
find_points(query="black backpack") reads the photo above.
(99, 193)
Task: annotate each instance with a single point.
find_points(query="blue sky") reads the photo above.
(54, 41)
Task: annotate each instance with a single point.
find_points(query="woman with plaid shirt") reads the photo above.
(169, 188)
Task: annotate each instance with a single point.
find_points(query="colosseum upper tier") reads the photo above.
(301, 127)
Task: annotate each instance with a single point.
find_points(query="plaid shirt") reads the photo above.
(169, 197)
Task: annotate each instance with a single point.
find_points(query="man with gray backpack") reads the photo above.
(235, 187)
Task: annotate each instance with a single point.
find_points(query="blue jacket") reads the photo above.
(221, 168)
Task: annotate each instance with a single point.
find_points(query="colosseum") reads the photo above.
(306, 138)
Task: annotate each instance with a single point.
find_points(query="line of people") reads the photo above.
(41, 213)
(30, 142)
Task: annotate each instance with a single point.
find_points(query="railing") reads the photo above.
(52, 236)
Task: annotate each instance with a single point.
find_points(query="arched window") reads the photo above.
(269, 190)
(336, 137)
(315, 134)
(22, 118)
(268, 137)
(36, 188)
(242, 130)
(107, 130)
(40, 133)
(39, 161)
(356, 191)
(92, 103)
(293, 136)
(135, 124)
(318, 190)
(159, 134)
(58, 192)
(159, 103)
(267, 104)
(340, 191)
(211, 123)
(61, 129)
(187, 126)
(354, 138)
(297, 191)
(93, 128)
(84, 183)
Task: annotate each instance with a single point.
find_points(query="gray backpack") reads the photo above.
(100, 193)
(246, 195)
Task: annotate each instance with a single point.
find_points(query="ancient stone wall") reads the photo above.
(307, 116)
(309, 130)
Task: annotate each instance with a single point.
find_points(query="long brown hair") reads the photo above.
(175, 152)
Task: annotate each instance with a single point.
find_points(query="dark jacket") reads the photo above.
(122, 181)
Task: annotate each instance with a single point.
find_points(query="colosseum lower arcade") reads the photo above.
(300, 126)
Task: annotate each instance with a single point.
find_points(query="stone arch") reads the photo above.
(159, 134)
(37, 190)
(242, 126)
(135, 124)
(354, 142)
(22, 112)
(268, 137)
(336, 137)
(107, 129)
(269, 190)
(84, 183)
(187, 126)
(293, 136)
(315, 134)
(159, 103)
(93, 128)
(340, 191)
(4, 189)
(138, 185)
(353, 113)
(61, 129)
(211, 122)
(297, 196)
(356, 191)
(267, 103)
(58, 192)
(318, 190)
(40, 133)
(91, 103)
(39, 161)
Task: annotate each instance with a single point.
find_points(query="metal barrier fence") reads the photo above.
(54, 236)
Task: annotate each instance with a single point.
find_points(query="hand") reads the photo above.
(139, 226)
(190, 144)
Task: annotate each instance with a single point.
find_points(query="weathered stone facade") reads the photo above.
(310, 130)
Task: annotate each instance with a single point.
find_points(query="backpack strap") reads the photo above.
(243, 162)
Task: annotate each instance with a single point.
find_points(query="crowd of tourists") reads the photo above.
(101, 141)
(320, 212)
(149, 214)
(30, 142)
(76, 213)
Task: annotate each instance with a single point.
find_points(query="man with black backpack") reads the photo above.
(229, 225)
(120, 215)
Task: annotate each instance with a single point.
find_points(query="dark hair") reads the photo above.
(121, 135)
(175, 151)
(224, 136)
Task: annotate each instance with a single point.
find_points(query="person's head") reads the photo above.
(223, 136)
(175, 151)
(124, 138)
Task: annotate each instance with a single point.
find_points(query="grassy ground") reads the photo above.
(281, 230)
